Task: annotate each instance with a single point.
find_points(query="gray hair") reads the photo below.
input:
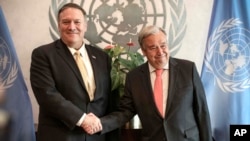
(147, 31)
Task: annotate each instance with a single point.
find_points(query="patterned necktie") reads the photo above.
(84, 74)
(158, 91)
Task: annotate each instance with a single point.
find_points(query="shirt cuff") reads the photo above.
(79, 123)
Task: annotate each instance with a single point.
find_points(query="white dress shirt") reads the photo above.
(165, 79)
(84, 56)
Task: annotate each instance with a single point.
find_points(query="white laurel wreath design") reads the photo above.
(178, 26)
(224, 86)
(7, 83)
(53, 10)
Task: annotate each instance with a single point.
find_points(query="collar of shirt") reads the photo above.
(152, 69)
(82, 50)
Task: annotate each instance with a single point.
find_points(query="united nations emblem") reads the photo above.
(120, 21)
(228, 56)
(8, 66)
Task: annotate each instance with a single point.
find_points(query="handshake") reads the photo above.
(91, 124)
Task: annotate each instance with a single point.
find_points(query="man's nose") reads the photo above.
(159, 49)
(72, 25)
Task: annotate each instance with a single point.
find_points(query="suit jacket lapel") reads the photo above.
(66, 55)
(92, 57)
(145, 79)
(173, 74)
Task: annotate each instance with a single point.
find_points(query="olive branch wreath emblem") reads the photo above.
(12, 75)
(7, 83)
(224, 86)
(177, 28)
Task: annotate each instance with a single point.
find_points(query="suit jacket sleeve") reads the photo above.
(50, 100)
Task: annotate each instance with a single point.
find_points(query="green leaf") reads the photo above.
(122, 62)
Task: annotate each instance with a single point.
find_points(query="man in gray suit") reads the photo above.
(182, 114)
(65, 102)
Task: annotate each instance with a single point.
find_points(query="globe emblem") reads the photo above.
(231, 58)
(119, 22)
(5, 60)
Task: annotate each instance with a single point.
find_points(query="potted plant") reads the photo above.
(123, 61)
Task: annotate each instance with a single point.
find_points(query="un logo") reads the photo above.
(228, 56)
(120, 21)
(8, 66)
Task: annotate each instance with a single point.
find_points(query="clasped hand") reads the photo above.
(91, 124)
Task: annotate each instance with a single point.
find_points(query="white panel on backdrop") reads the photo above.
(186, 22)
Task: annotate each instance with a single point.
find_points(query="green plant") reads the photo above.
(122, 62)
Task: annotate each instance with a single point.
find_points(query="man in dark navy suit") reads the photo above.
(66, 101)
(181, 113)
